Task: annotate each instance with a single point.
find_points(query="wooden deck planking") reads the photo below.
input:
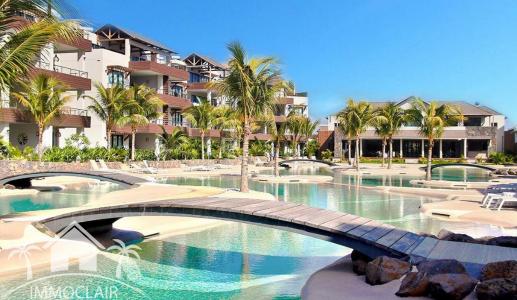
(331, 225)
(277, 208)
(249, 209)
(378, 232)
(406, 241)
(365, 228)
(295, 214)
(390, 238)
(320, 218)
(425, 247)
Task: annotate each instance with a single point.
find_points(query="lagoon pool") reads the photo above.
(242, 261)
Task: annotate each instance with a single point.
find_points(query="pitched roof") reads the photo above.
(208, 60)
(135, 36)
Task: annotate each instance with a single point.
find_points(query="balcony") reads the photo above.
(144, 66)
(280, 119)
(73, 79)
(12, 113)
(174, 100)
(80, 43)
(195, 132)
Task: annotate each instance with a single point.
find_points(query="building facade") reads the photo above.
(480, 133)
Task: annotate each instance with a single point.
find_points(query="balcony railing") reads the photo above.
(61, 69)
(158, 61)
(172, 93)
(74, 111)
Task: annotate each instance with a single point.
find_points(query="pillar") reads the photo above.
(441, 148)
(4, 131)
(208, 147)
(48, 135)
(209, 96)
(465, 151)
(360, 148)
(157, 148)
(401, 152)
(423, 148)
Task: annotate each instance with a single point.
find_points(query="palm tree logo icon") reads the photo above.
(125, 252)
(24, 252)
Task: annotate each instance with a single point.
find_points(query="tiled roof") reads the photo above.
(135, 36)
(209, 60)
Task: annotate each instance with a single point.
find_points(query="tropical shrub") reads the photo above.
(66, 154)
(258, 148)
(79, 140)
(72, 154)
(311, 148)
(326, 154)
(145, 154)
(500, 158)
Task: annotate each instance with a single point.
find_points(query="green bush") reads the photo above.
(311, 148)
(66, 154)
(423, 160)
(500, 158)
(259, 148)
(378, 160)
(72, 154)
(326, 154)
(144, 154)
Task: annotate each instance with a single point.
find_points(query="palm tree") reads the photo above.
(142, 107)
(295, 123)
(44, 98)
(383, 131)
(109, 105)
(432, 118)
(125, 252)
(22, 44)
(360, 115)
(391, 118)
(24, 251)
(225, 118)
(173, 143)
(346, 128)
(202, 117)
(308, 128)
(248, 87)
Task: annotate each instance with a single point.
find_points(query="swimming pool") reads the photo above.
(242, 261)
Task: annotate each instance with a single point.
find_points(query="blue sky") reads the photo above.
(361, 49)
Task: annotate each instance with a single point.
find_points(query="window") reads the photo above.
(176, 118)
(176, 90)
(472, 121)
(195, 77)
(495, 125)
(117, 141)
(115, 78)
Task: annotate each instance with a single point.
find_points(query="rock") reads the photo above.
(451, 286)
(413, 285)
(502, 269)
(503, 241)
(385, 269)
(497, 289)
(9, 187)
(359, 262)
(441, 266)
(455, 237)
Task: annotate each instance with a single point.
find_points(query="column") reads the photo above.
(157, 148)
(209, 96)
(48, 135)
(465, 148)
(4, 131)
(423, 148)
(441, 148)
(401, 149)
(208, 147)
(360, 148)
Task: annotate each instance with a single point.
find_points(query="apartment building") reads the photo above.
(17, 126)
(480, 133)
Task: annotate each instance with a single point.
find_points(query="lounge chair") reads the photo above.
(489, 198)
(507, 197)
(200, 168)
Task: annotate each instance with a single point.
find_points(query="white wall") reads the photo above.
(145, 141)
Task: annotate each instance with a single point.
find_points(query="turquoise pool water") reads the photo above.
(241, 261)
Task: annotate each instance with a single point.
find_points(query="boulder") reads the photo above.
(455, 237)
(413, 285)
(502, 269)
(359, 262)
(441, 266)
(9, 187)
(497, 289)
(503, 241)
(451, 286)
(384, 269)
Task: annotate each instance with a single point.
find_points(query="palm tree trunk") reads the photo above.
(40, 143)
(349, 151)
(429, 158)
(383, 151)
(277, 154)
(390, 155)
(221, 144)
(108, 136)
(244, 162)
(133, 137)
(357, 141)
(202, 145)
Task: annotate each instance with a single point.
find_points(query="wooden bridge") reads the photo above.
(23, 180)
(368, 236)
(463, 165)
(285, 163)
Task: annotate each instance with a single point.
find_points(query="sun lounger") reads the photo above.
(200, 168)
(507, 197)
(489, 198)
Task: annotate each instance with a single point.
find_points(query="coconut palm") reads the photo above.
(173, 143)
(391, 118)
(295, 123)
(225, 118)
(44, 98)
(109, 106)
(308, 128)
(24, 251)
(383, 131)
(432, 118)
(347, 129)
(142, 107)
(248, 87)
(125, 252)
(23, 42)
(360, 115)
(202, 117)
